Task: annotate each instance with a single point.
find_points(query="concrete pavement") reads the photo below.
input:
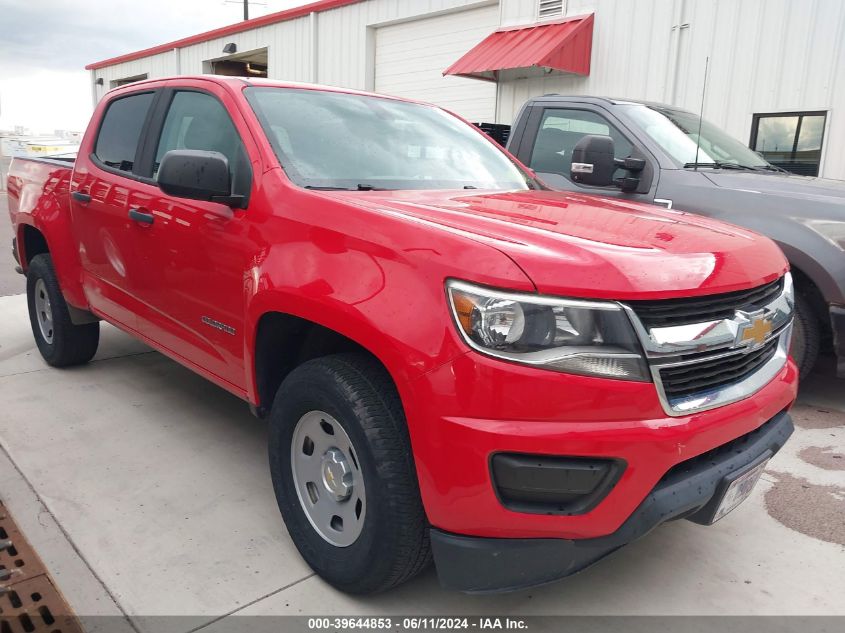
(145, 490)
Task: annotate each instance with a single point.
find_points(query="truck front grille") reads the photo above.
(670, 312)
(706, 352)
(707, 374)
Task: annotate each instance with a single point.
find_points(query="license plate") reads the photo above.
(739, 490)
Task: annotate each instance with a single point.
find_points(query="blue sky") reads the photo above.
(45, 45)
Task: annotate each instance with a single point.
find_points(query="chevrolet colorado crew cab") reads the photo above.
(686, 163)
(456, 362)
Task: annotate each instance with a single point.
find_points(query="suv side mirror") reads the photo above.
(197, 175)
(593, 164)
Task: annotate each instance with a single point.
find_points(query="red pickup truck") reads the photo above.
(455, 361)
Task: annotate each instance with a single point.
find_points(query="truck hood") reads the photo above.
(824, 192)
(587, 246)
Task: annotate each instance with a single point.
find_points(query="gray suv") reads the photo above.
(649, 152)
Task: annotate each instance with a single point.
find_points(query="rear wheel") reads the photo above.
(344, 475)
(806, 336)
(60, 342)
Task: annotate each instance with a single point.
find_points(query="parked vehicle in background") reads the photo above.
(454, 360)
(718, 177)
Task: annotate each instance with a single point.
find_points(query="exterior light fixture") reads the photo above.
(230, 48)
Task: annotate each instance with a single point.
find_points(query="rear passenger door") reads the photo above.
(553, 132)
(106, 177)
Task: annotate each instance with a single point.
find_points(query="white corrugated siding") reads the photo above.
(160, 65)
(411, 56)
(345, 50)
(765, 56)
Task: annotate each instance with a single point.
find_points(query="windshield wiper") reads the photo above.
(359, 187)
(774, 168)
(718, 165)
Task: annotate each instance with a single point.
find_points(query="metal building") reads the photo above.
(776, 72)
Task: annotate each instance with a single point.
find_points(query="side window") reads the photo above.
(117, 140)
(197, 120)
(560, 130)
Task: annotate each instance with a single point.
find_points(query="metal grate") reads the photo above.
(499, 132)
(705, 375)
(29, 601)
(669, 312)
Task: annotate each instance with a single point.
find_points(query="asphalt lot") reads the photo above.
(145, 490)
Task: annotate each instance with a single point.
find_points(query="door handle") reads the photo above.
(140, 216)
(81, 196)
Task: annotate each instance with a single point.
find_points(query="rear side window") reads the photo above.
(120, 131)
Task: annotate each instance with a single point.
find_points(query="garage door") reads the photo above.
(411, 58)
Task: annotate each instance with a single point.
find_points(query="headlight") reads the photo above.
(593, 338)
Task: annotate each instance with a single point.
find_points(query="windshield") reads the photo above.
(333, 140)
(677, 131)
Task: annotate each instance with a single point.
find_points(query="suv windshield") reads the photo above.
(676, 132)
(334, 140)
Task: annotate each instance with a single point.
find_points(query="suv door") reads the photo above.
(552, 133)
(198, 250)
(106, 175)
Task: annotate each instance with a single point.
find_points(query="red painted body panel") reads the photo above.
(371, 265)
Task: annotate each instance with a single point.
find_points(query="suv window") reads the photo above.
(197, 120)
(561, 129)
(117, 140)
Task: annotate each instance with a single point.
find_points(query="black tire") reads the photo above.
(393, 545)
(806, 336)
(70, 344)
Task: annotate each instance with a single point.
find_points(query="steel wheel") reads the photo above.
(44, 311)
(328, 479)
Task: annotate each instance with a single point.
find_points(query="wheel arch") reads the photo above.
(31, 241)
(55, 238)
(280, 338)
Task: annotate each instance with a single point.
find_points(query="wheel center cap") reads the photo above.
(337, 476)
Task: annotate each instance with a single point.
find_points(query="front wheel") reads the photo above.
(60, 342)
(344, 476)
(806, 336)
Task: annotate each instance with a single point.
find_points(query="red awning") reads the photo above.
(562, 45)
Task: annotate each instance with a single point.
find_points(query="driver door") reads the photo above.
(551, 136)
(198, 251)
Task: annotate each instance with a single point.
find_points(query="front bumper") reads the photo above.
(689, 490)
(837, 323)
(465, 412)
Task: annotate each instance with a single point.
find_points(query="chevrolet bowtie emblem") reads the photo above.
(757, 331)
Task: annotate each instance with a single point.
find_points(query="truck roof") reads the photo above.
(235, 82)
(557, 98)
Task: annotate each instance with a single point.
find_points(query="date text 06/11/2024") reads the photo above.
(431, 623)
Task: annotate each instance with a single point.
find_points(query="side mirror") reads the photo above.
(592, 161)
(197, 175)
(593, 164)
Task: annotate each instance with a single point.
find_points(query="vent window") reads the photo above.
(550, 9)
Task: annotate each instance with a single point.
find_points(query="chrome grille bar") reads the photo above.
(700, 366)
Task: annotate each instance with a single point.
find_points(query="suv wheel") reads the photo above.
(344, 477)
(60, 342)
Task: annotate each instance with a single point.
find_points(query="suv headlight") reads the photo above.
(593, 338)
